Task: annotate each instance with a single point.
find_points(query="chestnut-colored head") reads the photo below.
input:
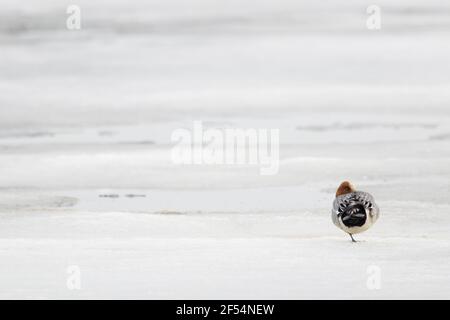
(344, 188)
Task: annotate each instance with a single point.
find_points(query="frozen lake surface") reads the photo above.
(86, 177)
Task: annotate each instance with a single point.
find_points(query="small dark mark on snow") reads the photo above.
(106, 133)
(362, 125)
(143, 142)
(66, 202)
(34, 134)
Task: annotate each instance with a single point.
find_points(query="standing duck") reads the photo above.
(353, 211)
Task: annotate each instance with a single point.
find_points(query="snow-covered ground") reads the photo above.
(86, 177)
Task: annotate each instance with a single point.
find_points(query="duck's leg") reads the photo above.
(351, 236)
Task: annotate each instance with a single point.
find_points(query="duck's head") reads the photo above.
(344, 188)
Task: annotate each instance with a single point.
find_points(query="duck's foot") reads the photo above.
(351, 236)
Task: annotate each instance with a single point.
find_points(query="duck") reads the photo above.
(353, 211)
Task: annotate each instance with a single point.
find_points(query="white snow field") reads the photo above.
(86, 177)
